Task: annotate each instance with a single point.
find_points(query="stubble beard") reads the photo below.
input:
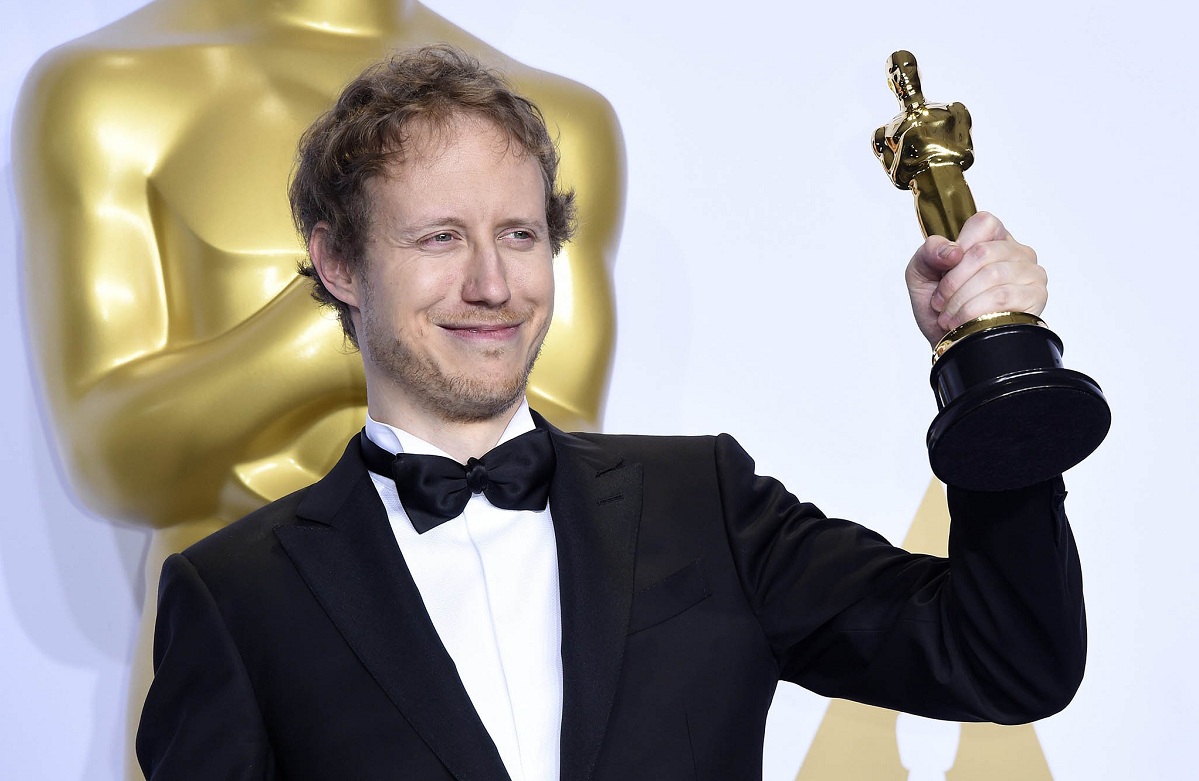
(455, 398)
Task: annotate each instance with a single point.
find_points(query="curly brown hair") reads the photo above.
(364, 133)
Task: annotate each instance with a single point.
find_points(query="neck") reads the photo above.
(911, 98)
(461, 440)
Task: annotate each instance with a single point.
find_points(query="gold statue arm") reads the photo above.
(570, 379)
(882, 150)
(147, 422)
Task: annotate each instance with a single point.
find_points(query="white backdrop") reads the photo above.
(759, 291)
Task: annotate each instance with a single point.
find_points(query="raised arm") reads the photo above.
(995, 633)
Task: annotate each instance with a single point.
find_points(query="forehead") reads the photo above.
(429, 142)
(461, 156)
(423, 139)
(464, 171)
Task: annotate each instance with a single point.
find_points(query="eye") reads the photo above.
(438, 240)
(520, 237)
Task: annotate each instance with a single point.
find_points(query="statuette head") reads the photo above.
(904, 77)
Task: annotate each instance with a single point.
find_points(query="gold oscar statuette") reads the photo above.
(1010, 415)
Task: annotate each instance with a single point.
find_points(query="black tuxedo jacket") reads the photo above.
(295, 645)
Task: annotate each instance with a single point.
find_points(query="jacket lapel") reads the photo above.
(596, 504)
(350, 560)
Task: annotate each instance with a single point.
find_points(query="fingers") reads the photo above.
(996, 273)
(934, 258)
(982, 227)
(997, 287)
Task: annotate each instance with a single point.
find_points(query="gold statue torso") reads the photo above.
(190, 377)
(931, 134)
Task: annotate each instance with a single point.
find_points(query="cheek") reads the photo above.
(413, 299)
(541, 286)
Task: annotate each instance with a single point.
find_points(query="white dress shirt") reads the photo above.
(489, 579)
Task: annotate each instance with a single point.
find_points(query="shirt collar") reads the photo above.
(396, 440)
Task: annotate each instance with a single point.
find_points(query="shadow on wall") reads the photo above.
(73, 579)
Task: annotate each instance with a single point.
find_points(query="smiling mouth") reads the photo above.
(483, 324)
(481, 327)
(483, 331)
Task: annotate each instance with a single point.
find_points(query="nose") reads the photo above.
(486, 279)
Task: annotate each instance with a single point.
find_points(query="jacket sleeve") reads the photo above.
(995, 633)
(201, 719)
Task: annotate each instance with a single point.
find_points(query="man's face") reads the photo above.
(457, 288)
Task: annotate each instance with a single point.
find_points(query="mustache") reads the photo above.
(484, 317)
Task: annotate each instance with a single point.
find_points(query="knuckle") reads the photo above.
(978, 255)
(989, 224)
(1001, 298)
(993, 275)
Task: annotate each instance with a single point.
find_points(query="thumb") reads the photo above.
(935, 257)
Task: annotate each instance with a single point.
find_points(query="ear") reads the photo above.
(334, 271)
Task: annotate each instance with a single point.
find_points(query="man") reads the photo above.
(159, 260)
(633, 626)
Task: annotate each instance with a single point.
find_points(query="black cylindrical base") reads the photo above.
(1011, 415)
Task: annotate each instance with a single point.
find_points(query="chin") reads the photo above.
(472, 406)
(472, 397)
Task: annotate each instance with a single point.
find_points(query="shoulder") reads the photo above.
(314, 506)
(630, 444)
(703, 460)
(142, 67)
(583, 121)
(130, 51)
(715, 446)
(249, 540)
(102, 95)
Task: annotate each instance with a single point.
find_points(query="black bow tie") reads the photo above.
(433, 489)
